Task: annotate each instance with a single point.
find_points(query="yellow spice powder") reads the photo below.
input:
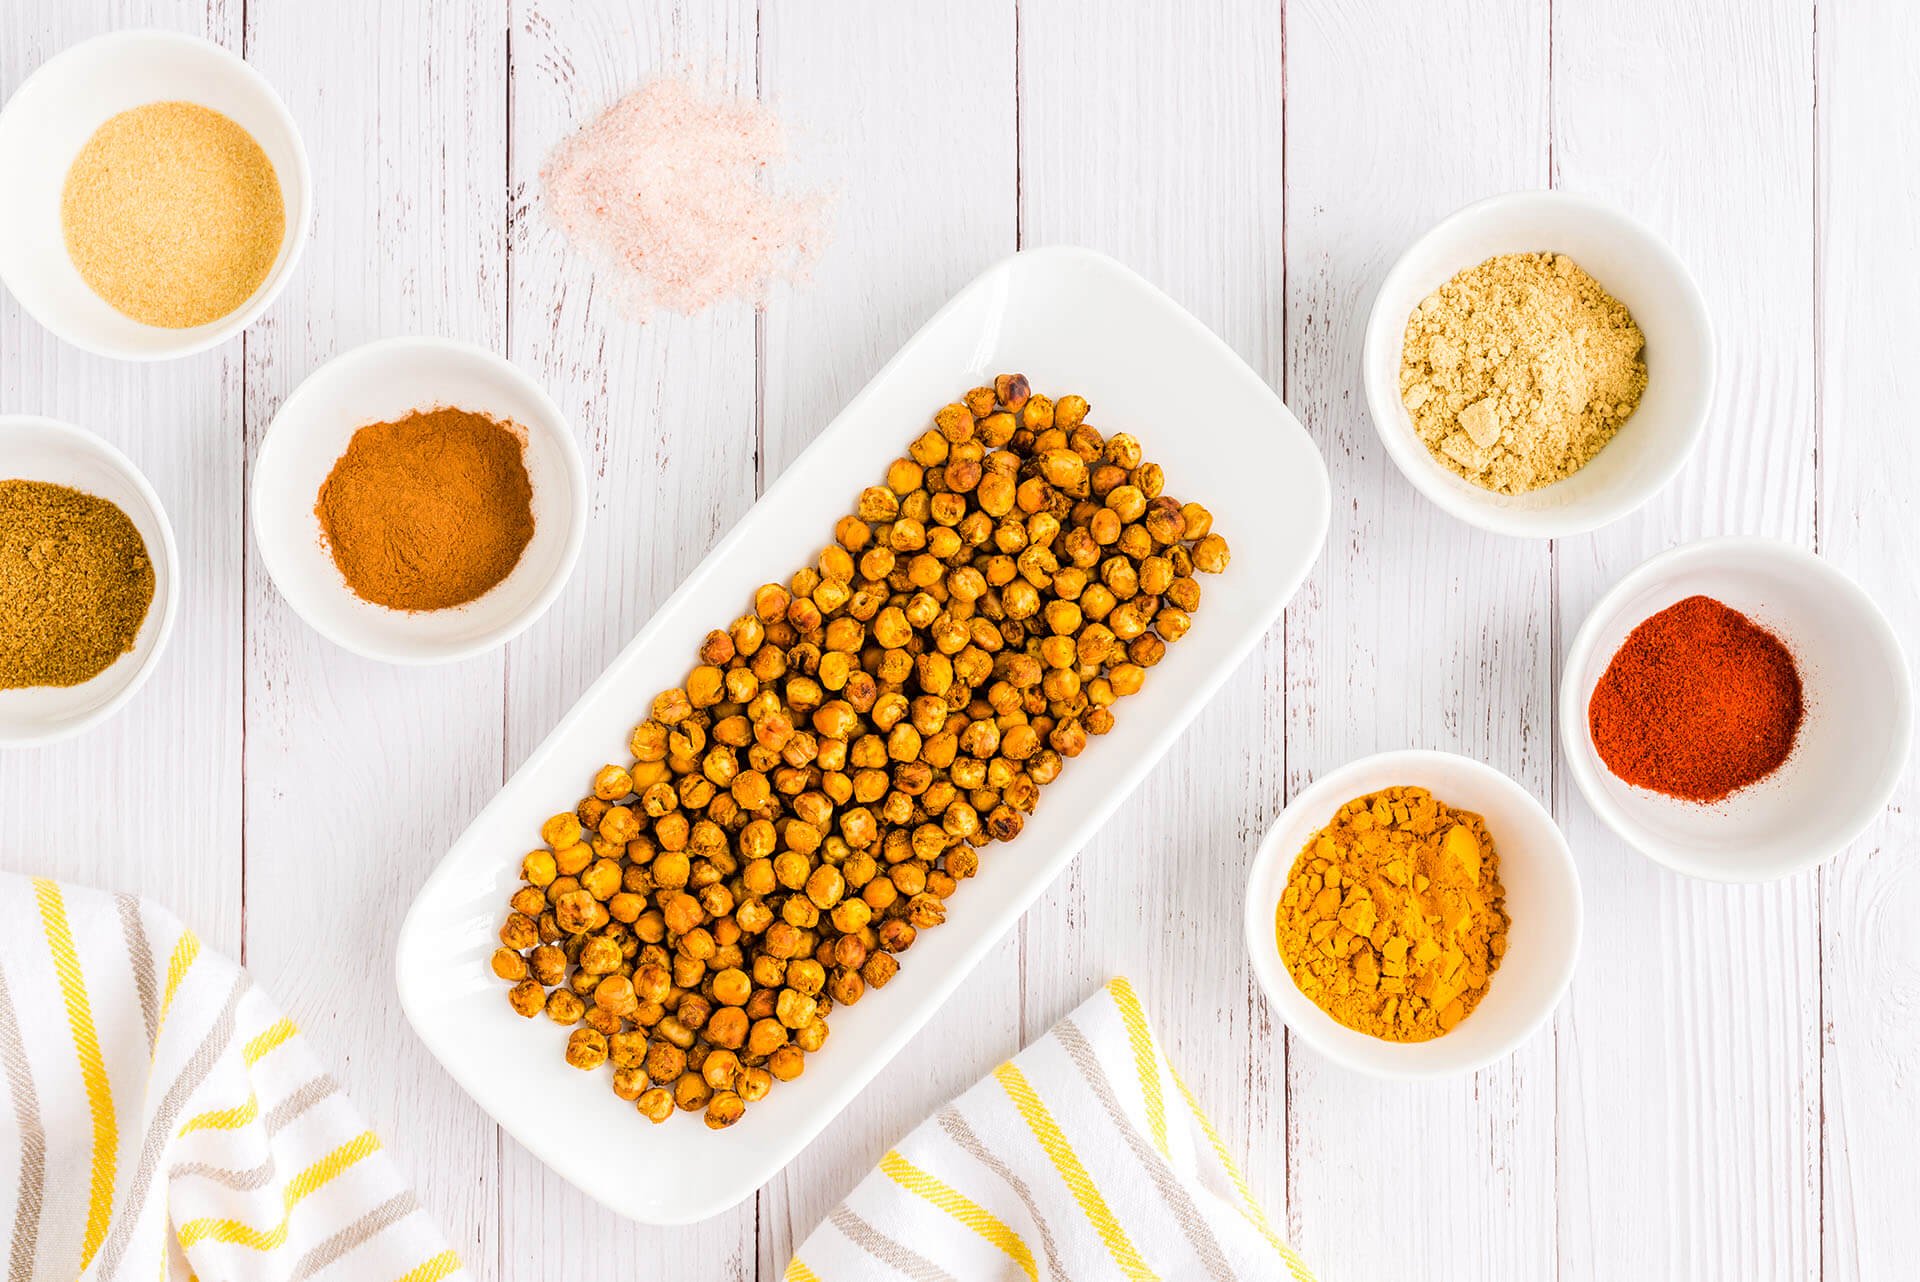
(1392, 919)
(173, 214)
(1518, 371)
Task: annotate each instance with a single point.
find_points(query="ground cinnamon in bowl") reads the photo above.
(430, 511)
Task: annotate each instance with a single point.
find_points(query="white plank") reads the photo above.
(1701, 1043)
(665, 413)
(1689, 1062)
(924, 169)
(1869, 255)
(149, 801)
(1158, 138)
(1416, 631)
(359, 775)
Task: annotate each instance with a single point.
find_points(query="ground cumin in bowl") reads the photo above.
(88, 566)
(419, 501)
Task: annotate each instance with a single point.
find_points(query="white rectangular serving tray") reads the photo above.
(1072, 321)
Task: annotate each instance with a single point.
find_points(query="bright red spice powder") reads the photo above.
(1699, 701)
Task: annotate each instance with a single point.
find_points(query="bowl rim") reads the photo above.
(296, 191)
(1258, 914)
(1581, 758)
(576, 484)
(1417, 464)
(166, 570)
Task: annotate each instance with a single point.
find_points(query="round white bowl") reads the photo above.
(1852, 746)
(1636, 267)
(1542, 899)
(51, 117)
(41, 449)
(383, 381)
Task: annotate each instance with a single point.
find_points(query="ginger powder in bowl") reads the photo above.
(172, 213)
(1517, 372)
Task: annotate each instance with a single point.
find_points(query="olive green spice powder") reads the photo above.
(75, 584)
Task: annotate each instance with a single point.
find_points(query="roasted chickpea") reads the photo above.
(879, 970)
(731, 987)
(527, 998)
(830, 770)
(586, 1048)
(727, 1027)
(1210, 554)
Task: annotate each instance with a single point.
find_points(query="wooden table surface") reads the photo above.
(1732, 1087)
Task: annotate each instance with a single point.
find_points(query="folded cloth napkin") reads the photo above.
(1082, 1159)
(167, 1121)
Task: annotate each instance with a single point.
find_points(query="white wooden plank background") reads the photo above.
(1730, 1089)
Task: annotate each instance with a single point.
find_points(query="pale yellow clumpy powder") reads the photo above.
(1518, 371)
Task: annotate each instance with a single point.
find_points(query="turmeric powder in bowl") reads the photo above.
(1392, 920)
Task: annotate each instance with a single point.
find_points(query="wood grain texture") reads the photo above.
(121, 806)
(1158, 139)
(665, 413)
(897, 145)
(1415, 631)
(1729, 1090)
(1689, 1059)
(1868, 256)
(358, 775)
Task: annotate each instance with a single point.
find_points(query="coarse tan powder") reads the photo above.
(173, 214)
(670, 188)
(1518, 371)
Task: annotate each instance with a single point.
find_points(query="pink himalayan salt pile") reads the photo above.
(669, 187)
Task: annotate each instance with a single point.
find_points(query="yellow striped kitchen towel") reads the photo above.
(166, 1121)
(1084, 1158)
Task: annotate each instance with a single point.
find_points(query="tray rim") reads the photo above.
(781, 1149)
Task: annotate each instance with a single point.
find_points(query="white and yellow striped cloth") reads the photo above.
(166, 1121)
(1085, 1158)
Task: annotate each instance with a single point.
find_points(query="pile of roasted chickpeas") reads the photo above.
(806, 803)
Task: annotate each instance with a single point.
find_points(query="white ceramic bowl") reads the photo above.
(383, 381)
(40, 449)
(1543, 900)
(51, 117)
(1636, 267)
(1852, 746)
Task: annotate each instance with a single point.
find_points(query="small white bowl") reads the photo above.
(1852, 746)
(1633, 265)
(1542, 899)
(51, 117)
(383, 381)
(41, 449)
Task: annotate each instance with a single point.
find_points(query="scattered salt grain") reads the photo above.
(670, 187)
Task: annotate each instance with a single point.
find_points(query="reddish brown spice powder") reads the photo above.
(429, 511)
(1699, 701)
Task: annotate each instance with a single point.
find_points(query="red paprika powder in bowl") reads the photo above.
(1698, 702)
(1736, 709)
